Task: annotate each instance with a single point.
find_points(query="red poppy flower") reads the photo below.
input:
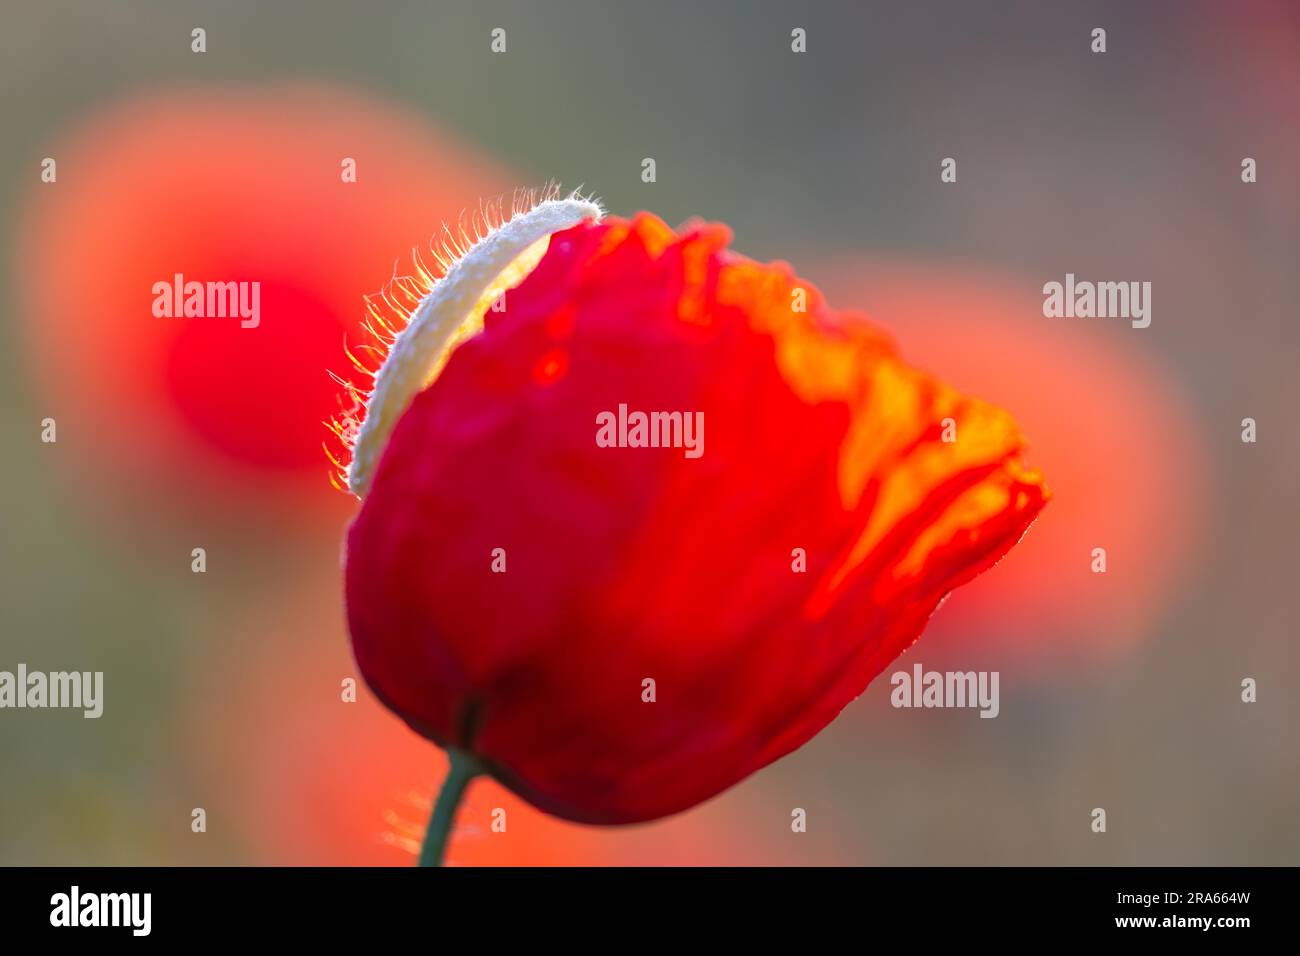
(223, 186)
(513, 587)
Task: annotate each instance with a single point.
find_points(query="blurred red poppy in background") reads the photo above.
(224, 186)
(1108, 425)
(835, 496)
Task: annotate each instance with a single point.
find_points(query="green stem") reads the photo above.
(463, 769)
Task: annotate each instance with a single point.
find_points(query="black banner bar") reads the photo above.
(372, 905)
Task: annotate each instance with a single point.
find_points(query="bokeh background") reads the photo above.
(1119, 691)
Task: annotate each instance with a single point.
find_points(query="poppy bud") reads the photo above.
(654, 523)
